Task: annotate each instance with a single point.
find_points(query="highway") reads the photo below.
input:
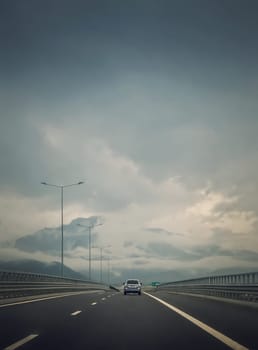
(110, 320)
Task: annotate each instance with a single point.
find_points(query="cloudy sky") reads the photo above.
(154, 105)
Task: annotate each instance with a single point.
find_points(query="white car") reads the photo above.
(132, 286)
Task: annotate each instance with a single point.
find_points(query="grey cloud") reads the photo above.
(128, 244)
(162, 231)
(245, 193)
(167, 251)
(219, 236)
(134, 256)
(212, 250)
(140, 262)
(215, 250)
(48, 240)
(246, 255)
(21, 157)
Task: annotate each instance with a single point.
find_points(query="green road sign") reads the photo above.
(155, 284)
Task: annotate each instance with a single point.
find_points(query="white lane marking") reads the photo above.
(103, 299)
(21, 342)
(216, 334)
(109, 296)
(47, 298)
(94, 303)
(75, 313)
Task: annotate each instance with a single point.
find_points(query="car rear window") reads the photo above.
(132, 282)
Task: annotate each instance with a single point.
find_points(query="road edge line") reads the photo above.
(21, 342)
(216, 334)
(45, 298)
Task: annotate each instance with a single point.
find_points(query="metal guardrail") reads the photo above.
(21, 284)
(240, 278)
(242, 286)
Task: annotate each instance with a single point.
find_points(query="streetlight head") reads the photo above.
(80, 182)
(43, 183)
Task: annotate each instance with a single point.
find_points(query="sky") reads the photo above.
(153, 104)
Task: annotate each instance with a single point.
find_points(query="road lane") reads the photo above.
(20, 320)
(212, 331)
(124, 322)
(116, 321)
(234, 320)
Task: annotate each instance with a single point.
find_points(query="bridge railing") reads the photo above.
(243, 286)
(21, 284)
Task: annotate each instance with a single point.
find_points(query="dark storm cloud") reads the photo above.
(54, 50)
(181, 57)
(84, 40)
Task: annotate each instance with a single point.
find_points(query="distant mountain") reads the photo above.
(148, 276)
(157, 275)
(34, 266)
(47, 240)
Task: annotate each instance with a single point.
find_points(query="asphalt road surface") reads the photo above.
(110, 320)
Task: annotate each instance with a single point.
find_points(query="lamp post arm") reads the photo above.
(75, 184)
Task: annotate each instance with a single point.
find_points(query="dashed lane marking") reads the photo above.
(75, 313)
(216, 334)
(103, 299)
(21, 342)
(94, 303)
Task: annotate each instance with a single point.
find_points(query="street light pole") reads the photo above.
(62, 217)
(89, 227)
(101, 264)
(109, 258)
(62, 231)
(109, 270)
(101, 260)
